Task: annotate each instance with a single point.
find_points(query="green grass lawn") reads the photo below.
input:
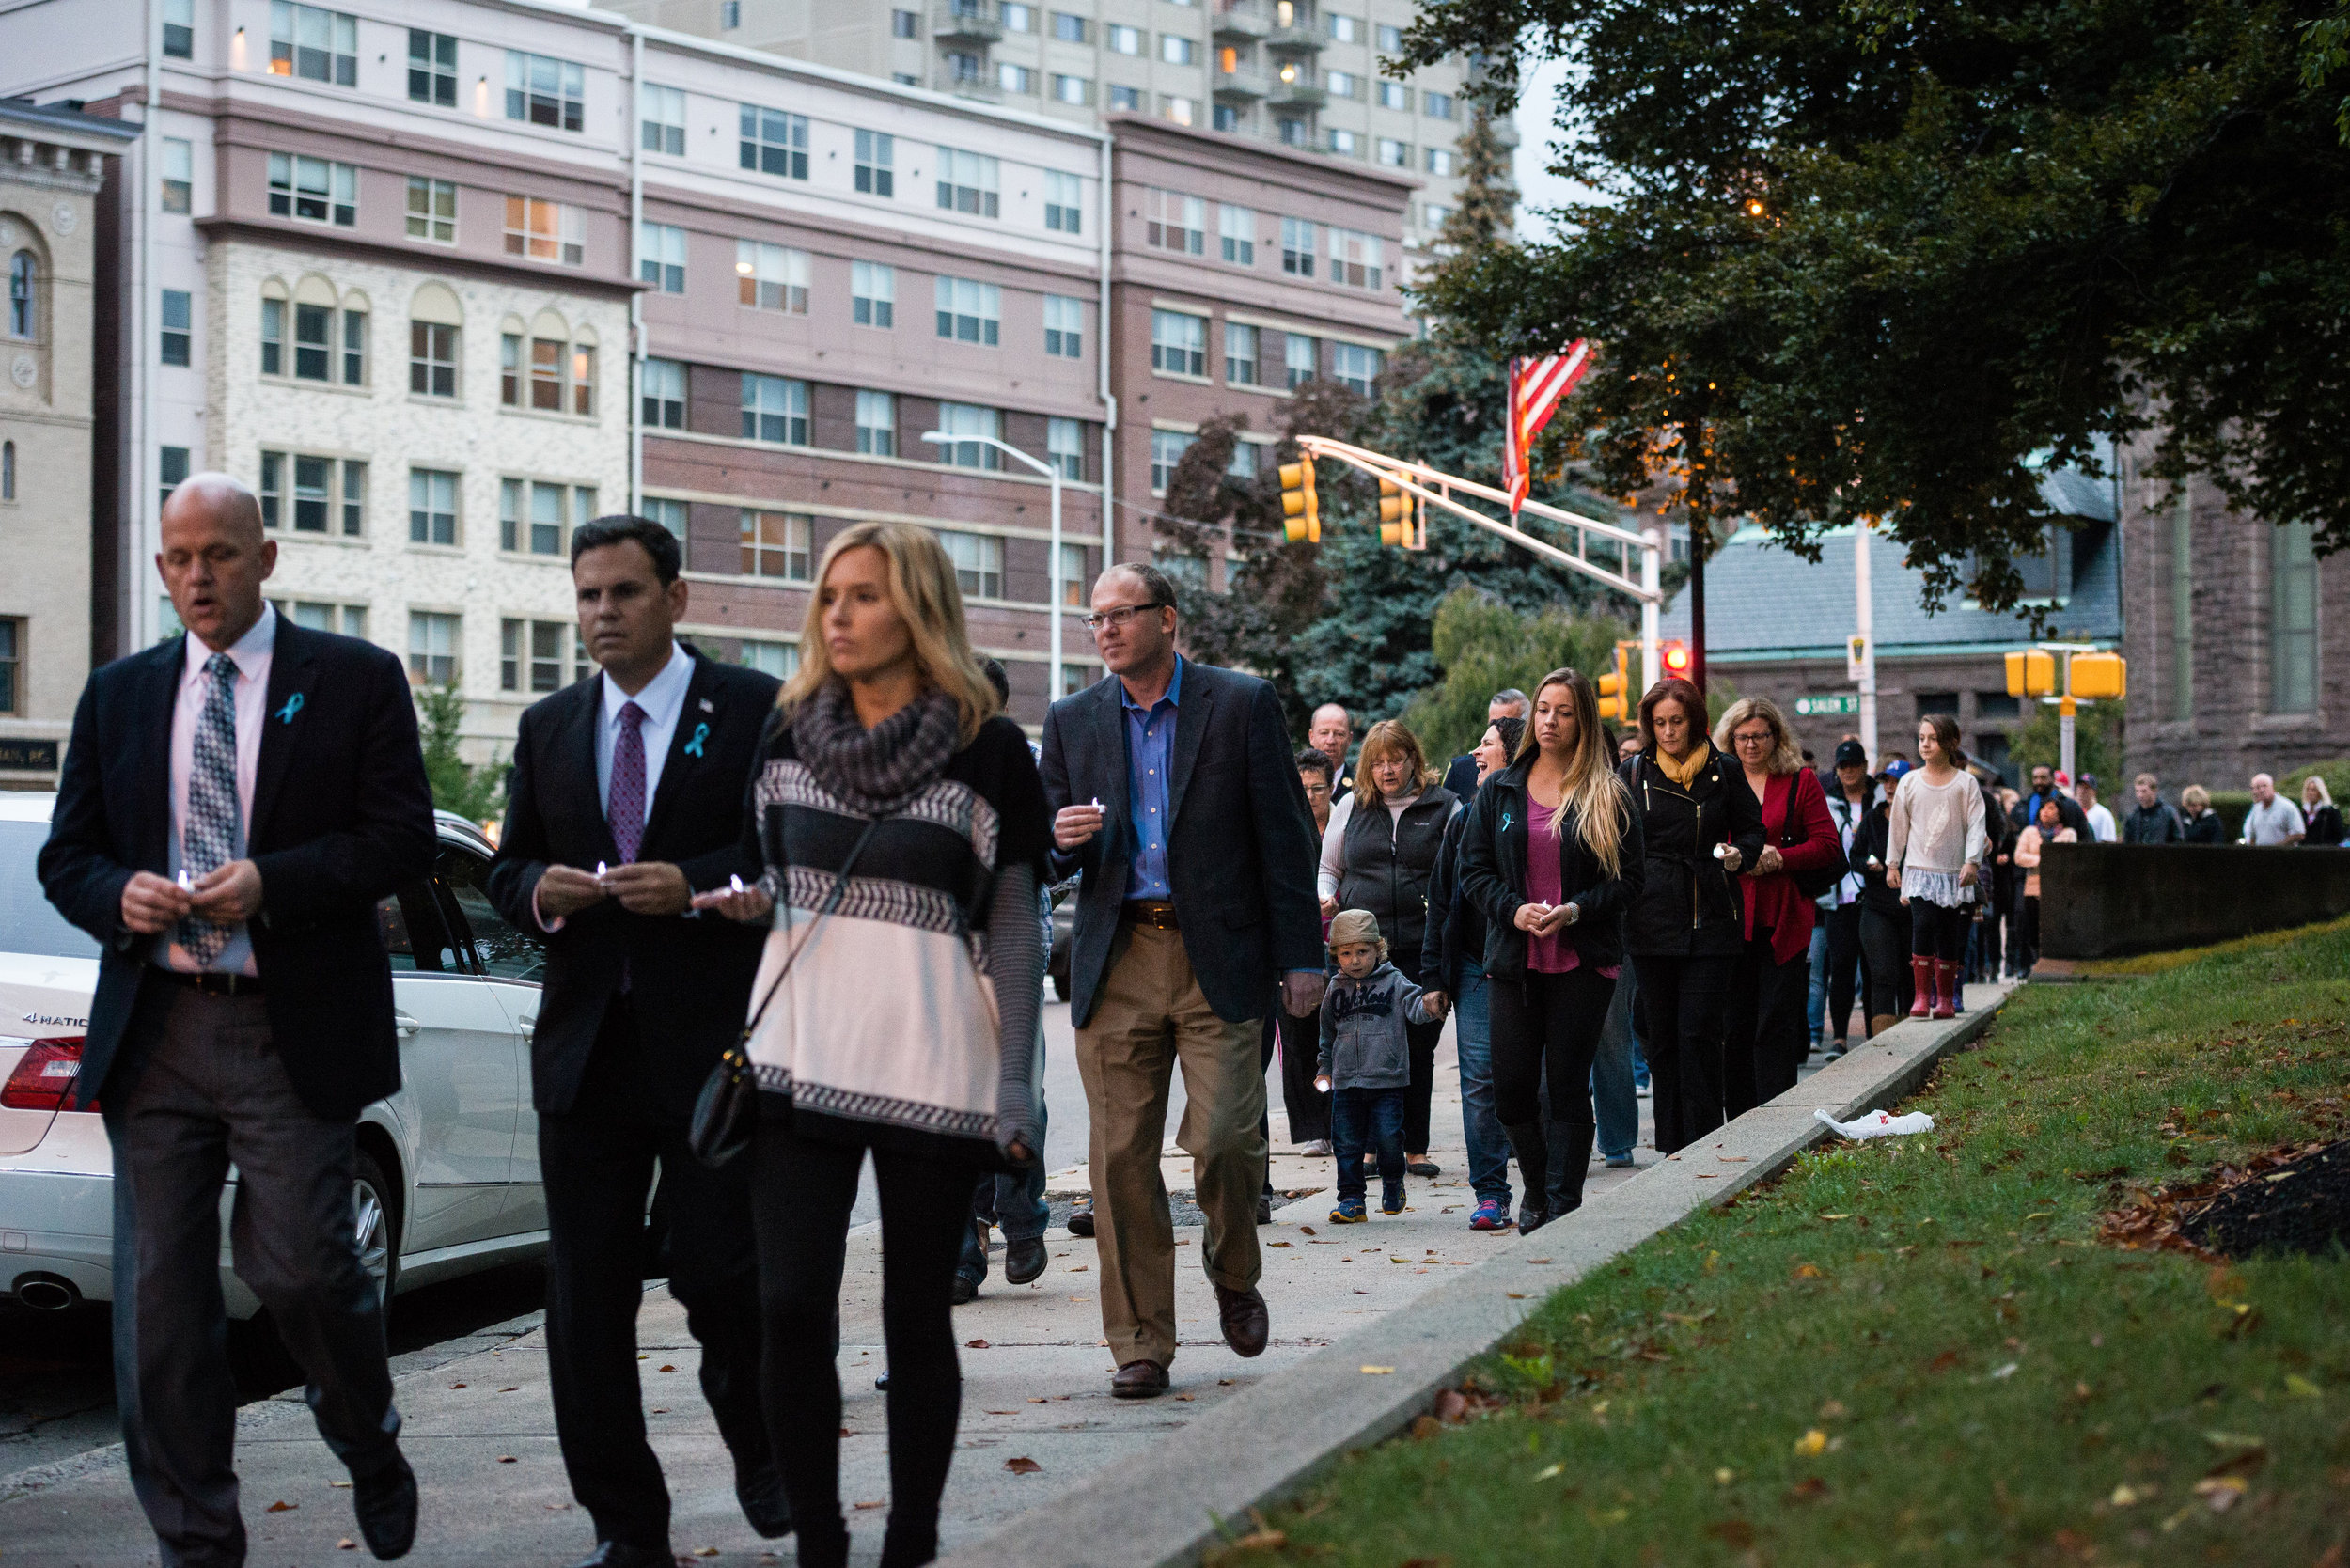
(1917, 1350)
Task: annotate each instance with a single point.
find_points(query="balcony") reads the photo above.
(965, 21)
(1299, 36)
(1242, 87)
(1234, 23)
(1303, 93)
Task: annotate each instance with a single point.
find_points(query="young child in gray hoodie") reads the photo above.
(1366, 1062)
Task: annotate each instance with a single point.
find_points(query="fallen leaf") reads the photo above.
(1186, 1399)
(1546, 1474)
(1000, 1412)
(1943, 1362)
(1812, 1443)
(664, 1368)
(1035, 1399)
(1809, 1489)
(1078, 1268)
(506, 1459)
(461, 1384)
(344, 1484)
(1281, 1243)
(975, 1344)
(1223, 1382)
(1538, 1260)
(1724, 1476)
(1833, 1410)
(877, 1502)
(1836, 1216)
(1023, 1466)
(2221, 1493)
(281, 1506)
(1516, 1295)
(1376, 1371)
(2302, 1388)
(346, 1545)
(1304, 1230)
(512, 1389)
(2008, 1370)
(705, 1551)
(1262, 1540)
(1808, 1271)
(2126, 1496)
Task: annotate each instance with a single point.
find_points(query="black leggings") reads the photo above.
(1843, 963)
(1684, 1005)
(1939, 933)
(1422, 1038)
(1546, 1023)
(801, 1191)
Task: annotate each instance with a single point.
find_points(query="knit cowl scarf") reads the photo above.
(875, 772)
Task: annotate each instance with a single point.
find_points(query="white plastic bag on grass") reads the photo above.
(1880, 1124)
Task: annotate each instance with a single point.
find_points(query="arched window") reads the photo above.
(24, 285)
(7, 470)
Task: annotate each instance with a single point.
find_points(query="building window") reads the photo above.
(1237, 229)
(315, 494)
(1073, 578)
(775, 544)
(1016, 16)
(272, 338)
(969, 312)
(661, 257)
(24, 296)
(2293, 619)
(1344, 29)
(668, 512)
(1175, 49)
(771, 277)
(531, 514)
(1395, 95)
(1346, 144)
(510, 370)
(313, 43)
(1224, 118)
(663, 128)
(171, 471)
(1244, 463)
(179, 29)
(1438, 106)
(969, 419)
(780, 660)
(432, 359)
(431, 507)
(540, 91)
(1339, 83)
(1015, 78)
(729, 15)
(311, 190)
(354, 348)
(1166, 449)
(1390, 38)
(1173, 221)
(872, 294)
(1393, 154)
(1068, 28)
(775, 409)
(318, 344)
(1240, 353)
(877, 424)
(1178, 343)
(1434, 216)
(978, 562)
(876, 164)
(967, 182)
(2182, 605)
(545, 231)
(433, 68)
(774, 142)
(1440, 161)
(1298, 248)
(965, 70)
(547, 374)
(663, 393)
(1123, 40)
(7, 470)
(1301, 358)
(179, 177)
(1064, 327)
(432, 644)
(905, 24)
(313, 615)
(431, 210)
(530, 655)
(1296, 132)
(1072, 89)
(1065, 447)
(176, 314)
(1125, 100)
(1064, 212)
(1355, 367)
(1177, 108)
(12, 664)
(1355, 258)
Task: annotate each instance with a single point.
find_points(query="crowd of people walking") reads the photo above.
(720, 866)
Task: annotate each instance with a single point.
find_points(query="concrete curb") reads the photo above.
(1269, 1441)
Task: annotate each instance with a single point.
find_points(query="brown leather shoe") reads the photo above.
(1246, 1326)
(1138, 1380)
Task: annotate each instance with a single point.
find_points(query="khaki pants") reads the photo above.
(1150, 1016)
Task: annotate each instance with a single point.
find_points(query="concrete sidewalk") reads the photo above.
(481, 1430)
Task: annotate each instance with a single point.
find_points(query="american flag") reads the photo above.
(1535, 387)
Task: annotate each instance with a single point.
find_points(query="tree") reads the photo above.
(2096, 746)
(476, 793)
(1487, 210)
(1485, 646)
(1873, 257)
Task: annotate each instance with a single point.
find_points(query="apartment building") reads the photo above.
(1304, 74)
(53, 165)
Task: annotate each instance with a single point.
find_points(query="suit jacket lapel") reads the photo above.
(159, 695)
(576, 747)
(1117, 803)
(689, 744)
(1191, 727)
(285, 720)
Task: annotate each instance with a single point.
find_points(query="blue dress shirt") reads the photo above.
(1150, 750)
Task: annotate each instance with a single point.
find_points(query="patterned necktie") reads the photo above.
(626, 809)
(209, 840)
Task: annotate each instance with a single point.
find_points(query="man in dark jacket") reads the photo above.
(2043, 788)
(2151, 821)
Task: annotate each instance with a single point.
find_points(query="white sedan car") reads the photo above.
(448, 1167)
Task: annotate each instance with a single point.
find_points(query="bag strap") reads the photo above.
(832, 901)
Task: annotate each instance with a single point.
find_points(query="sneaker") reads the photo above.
(1492, 1215)
(1349, 1211)
(1641, 1091)
(1835, 1052)
(1424, 1166)
(1318, 1149)
(1620, 1162)
(1391, 1200)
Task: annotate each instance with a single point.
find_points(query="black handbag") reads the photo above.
(725, 1113)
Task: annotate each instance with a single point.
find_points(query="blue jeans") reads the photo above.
(1815, 1006)
(1472, 1033)
(1361, 1116)
(1613, 1103)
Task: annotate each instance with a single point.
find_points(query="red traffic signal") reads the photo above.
(1676, 659)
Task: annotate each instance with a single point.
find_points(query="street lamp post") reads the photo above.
(1052, 573)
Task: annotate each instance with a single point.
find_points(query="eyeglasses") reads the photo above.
(1120, 617)
(1760, 737)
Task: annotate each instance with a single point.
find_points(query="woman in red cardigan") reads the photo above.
(1767, 1034)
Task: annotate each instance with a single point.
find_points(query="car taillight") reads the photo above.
(45, 1076)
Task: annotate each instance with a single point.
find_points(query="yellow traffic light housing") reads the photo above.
(2097, 676)
(2032, 673)
(1301, 512)
(1615, 686)
(1395, 513)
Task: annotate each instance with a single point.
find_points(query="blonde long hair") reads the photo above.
(1786, 756)
(1389, 735)
(923, 590)
(1602, 806)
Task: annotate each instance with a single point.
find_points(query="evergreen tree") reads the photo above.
(1483, 646)
(1488, 206)
(476, 793)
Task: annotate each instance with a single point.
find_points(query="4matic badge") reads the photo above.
(57, 1019)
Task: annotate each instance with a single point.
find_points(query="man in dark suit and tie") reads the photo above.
(1176, 798)
(235, 803)
(625, 801)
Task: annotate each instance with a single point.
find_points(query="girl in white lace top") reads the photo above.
(1935, 845)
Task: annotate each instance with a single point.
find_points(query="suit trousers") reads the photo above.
(598, 1161)
(203, 1088)
(1684, 1013)
(1299, 1041)
(1148, 1017)
(1765, 1049)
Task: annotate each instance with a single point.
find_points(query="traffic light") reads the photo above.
(1301, 512)
(1615, 687)
(1395, 515)
(2098, 676)
(2032, 673)
(1676, 659)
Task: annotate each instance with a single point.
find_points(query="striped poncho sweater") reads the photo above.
(882, 1033)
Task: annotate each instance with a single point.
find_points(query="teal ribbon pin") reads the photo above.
(294, 706)
(693, 747)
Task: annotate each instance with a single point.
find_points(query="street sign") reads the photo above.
(1826, 703)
